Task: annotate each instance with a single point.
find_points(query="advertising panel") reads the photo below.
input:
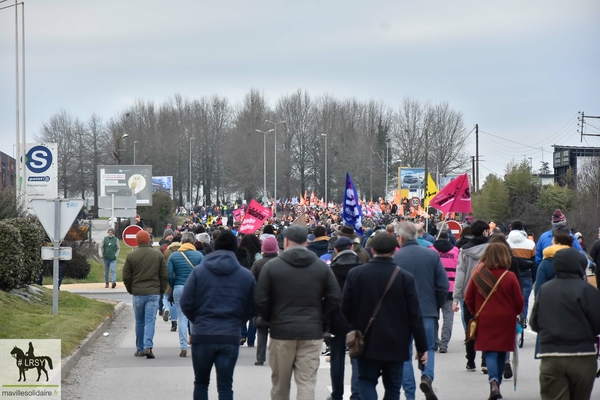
(163, 184)
(446, 179)
(41, 176)
(126, 180)
(412, 178)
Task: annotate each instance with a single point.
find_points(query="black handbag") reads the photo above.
(355, 339)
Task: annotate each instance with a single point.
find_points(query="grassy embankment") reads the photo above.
(77, 317)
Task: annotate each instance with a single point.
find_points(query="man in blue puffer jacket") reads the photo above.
(217, 298)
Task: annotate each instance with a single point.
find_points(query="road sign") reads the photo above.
(44, 209)
(41, 171)
(64, 253)
(415, 201)
(188, 206)
(137, 218)
(120, 202)
(119, 212)
(129, 235)
(454, 227)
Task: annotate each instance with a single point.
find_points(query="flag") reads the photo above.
(209, 220)
(431, 190)
(351, 212)
(397, 198)
(455, 196)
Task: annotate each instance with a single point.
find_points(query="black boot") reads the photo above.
(173, 326)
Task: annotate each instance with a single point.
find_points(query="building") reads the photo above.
(566, 160)
(7, 171)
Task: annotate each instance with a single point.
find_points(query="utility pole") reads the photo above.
(582, 120)
(426, 156)
(473, 171)
(477, 156)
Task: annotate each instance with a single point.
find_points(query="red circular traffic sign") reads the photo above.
(129, 235)
(454, 227)
(137, 218)
(415, 201)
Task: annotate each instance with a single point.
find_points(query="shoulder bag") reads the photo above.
(355, 339)
(171, 299)
(471, 333)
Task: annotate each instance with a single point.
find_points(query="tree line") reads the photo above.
(227, 151)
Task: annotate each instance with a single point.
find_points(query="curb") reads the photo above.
(71, 361)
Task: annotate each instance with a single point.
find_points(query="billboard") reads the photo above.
(446, 179)
(41, 174)
(412, 178)
(163, 184)
(126, 180)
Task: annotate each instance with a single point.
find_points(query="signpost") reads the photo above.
(454, 227)
(56, 216)
(129, 235)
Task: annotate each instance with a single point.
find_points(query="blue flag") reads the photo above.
(351, 213)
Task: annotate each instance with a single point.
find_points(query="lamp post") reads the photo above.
(265, 198)
(190, 192)
(325, 135)
(134, 142)
(275, 158)
(117, 153)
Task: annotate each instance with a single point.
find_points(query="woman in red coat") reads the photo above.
(497, 323)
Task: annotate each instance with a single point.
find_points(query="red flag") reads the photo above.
(455, 196)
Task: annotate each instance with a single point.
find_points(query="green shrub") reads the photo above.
(78, 267)
(12, 272)
(32, 237)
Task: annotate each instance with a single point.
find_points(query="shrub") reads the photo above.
(78, 267)
(32, 237)
(11, 257)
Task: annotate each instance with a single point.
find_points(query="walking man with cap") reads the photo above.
(294, 293)
(145, 277)
(109, 250)
(545, 240)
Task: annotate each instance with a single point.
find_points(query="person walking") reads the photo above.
(545, 240)
(449, 256)
(270, 250)
(344, 261)
(388, 338)
(523, 250)
(494, 296)
(217, 298)
(565, 315)
(180, 266)
(145, 277)
(109, 250)
(432, 285)
(294, 294)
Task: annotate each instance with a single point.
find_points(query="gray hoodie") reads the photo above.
(467, 260)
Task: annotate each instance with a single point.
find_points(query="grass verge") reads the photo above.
(77, 317)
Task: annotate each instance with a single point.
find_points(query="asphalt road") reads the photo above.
(111, 371)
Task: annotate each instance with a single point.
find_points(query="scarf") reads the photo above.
(484, 280)
(187, 246)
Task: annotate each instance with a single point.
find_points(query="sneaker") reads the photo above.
(326, 352)
(471, 366)
(242, 341)
(427, 389)
(508, 373)
(183, 353)
(259, 363)
(148, 353)
(443, 350)
(484, 369)
(166, 314)
(139, 354)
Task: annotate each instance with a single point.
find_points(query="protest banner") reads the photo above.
(254, 218)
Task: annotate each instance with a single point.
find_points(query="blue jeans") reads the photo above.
(495, 365)
(249, 332)
(408, 375)
(526, 286)
(110, 266)
(145, 308)
(224, 357)
(182, 320)
(369, 372)
(167, 306)
(337, 346)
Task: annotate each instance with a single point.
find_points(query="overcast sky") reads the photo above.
(520, 69)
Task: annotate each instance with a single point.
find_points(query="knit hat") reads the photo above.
(558, 218)
(167, 232)
(204, 238)
(270, 245)
(226, 241)
(110, 230)
(142, 237)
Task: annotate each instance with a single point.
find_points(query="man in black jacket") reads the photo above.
(344, 259)
(388, 340)
(294, 293)
(565, 315)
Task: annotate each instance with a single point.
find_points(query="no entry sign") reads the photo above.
(454, 227)
(129, 235)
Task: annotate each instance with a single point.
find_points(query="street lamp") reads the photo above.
(265, 198)
(275, 156)
(325, 135)
(134, 142)
(119, 150)
(190, 192)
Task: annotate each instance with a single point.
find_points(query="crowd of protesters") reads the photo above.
(303, 279)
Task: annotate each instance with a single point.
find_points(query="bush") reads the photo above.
(160, 214)
(32, 237)
(10, 207)
(12, 272)
(78, 267)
